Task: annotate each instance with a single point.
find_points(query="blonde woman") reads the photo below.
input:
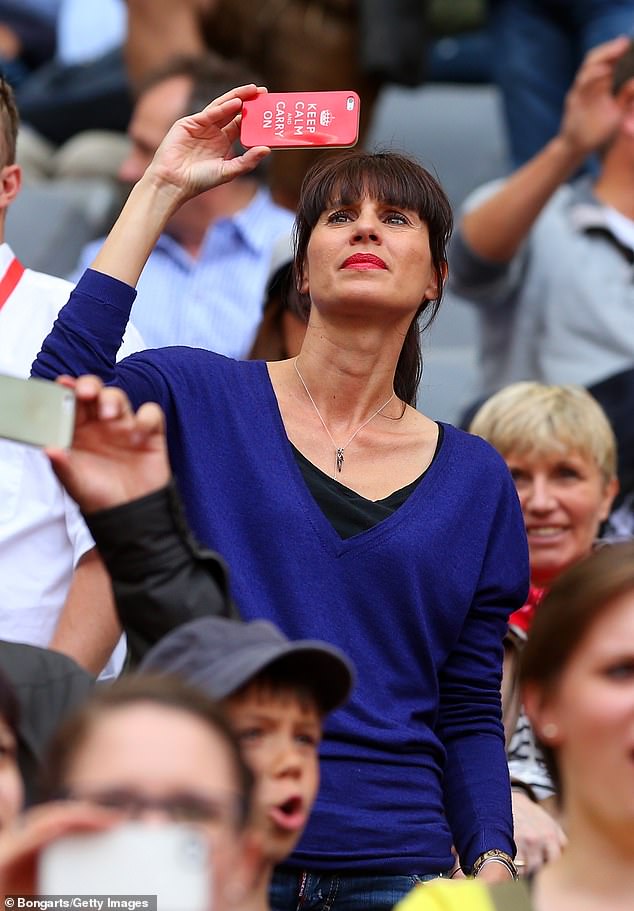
(561, 452)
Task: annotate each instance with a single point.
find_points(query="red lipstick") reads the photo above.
(364, 261)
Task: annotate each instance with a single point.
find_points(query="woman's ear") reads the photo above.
(609, 493)
(540, 707)
(303, 286)
(432, 291)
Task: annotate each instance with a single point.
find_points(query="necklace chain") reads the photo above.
(339, 457)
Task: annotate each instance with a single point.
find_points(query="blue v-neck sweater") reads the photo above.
(420, 601)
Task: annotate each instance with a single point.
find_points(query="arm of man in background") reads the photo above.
(495, 229)
(90, 645)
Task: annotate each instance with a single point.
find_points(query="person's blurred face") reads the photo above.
(154, 113)
(588, 719)
(165, 757)
(564, 499)
(279, 734)
(11, 789)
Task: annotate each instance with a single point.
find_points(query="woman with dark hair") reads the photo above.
(343, 512)
(577, 680)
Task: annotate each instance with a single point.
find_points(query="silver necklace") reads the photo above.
(338, 449)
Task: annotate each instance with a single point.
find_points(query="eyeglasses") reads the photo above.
(222, 811)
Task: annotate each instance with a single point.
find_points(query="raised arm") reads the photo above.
(196, 155)
(495, 229)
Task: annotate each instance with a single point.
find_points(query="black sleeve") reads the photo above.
(161, 578)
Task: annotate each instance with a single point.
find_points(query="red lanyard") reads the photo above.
(11, 277)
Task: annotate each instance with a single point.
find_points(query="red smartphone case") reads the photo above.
(289, 120)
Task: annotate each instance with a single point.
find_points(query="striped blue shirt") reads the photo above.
(216, 300)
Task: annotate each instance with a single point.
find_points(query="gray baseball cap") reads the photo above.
(220, 656)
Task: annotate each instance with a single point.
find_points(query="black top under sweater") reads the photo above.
(348, 512)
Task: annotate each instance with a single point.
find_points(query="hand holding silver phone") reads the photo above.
(170, 861)
(36, 412)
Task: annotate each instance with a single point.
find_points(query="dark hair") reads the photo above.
(10, 120)
(211, 75)
(164, 691)
(623, 69)
(578, 598)
(270, 342)
(9, 705)
(398, 180)
(290, 675)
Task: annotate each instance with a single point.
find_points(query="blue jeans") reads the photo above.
(324, 891)
(538, 46)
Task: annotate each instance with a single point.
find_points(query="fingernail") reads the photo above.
(108, 410)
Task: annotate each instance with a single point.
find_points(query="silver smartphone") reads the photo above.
(168, 861)
(36, 412)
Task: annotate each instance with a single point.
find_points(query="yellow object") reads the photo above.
(466, 895)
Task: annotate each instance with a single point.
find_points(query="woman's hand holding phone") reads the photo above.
(197, 152)
(196, 155)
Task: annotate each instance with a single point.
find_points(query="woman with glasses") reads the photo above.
(149, 749)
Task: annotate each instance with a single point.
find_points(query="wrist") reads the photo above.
(569, 154)
(163, 197)
(494, 872)
(497, 863)
(522, 787)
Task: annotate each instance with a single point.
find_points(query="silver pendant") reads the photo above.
(339, 459)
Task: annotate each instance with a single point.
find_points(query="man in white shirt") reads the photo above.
(53, 588)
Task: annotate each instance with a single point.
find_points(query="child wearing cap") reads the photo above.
(276, 693)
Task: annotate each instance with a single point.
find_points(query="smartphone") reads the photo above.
(290, 120)
(37, 412)
(170, 861)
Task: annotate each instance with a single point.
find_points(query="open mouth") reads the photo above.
(289, 815)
